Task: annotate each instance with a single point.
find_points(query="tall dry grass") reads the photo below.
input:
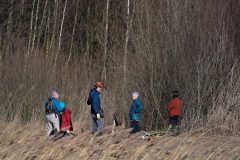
(185, 45)
(29, 142)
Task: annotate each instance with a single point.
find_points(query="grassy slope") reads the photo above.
(29, 142)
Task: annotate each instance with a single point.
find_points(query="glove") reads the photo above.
(98, 116)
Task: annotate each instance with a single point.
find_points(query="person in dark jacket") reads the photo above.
(135, 113)
(97, 122)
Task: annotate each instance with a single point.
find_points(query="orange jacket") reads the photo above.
(174, 107)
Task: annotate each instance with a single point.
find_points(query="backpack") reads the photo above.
(89, 101)
(49, 105)
(66, 121)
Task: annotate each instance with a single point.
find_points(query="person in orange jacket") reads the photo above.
(174, 109)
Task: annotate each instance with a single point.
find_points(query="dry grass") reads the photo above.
(192, 46)
(29, 142)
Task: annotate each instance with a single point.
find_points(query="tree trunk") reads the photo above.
(35, 28)
(60, 38)
(30, 37)
(52, 43)
(129, 24)
(73, 32)
(125, 63)
(42, 21)
(104, 74)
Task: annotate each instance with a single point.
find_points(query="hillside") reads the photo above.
(151, 47)
(28, 142)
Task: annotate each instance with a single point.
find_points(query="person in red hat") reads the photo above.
(97, 122)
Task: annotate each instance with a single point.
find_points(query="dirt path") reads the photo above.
(29, 142)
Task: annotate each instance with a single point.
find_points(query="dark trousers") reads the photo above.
(174, 120)
(135, 126)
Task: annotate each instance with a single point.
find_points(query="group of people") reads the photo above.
(58, 117)
(97, 113)
(173, 108)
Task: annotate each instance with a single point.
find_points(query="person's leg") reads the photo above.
(177, 130)
(135, 126)
(174, 122)
(132, 123)
(49, 125)
(55, 122)
(132, 127)
(100, 127)
(93, 124)
(60, 121)
(171, 120)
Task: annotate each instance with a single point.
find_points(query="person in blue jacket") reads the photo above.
(97, 122)
(53, 107)
(135, 113)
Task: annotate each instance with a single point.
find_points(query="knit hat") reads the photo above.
(135, 94)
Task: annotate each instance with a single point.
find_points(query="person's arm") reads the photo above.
(177, 105)
(170, 105)
(61, 109)
(138, 107)
(56, 105)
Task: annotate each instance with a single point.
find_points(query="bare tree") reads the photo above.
(151, 46)
(104, 72)
(56, 8)
(73, 32)
(125, 55)
(42, 21)
(31, 30)
(35, 27)
(60, 38)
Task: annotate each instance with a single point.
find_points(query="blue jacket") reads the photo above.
(94, 101)
(56, 105)
(135, 110)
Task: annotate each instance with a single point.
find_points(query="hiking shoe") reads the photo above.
(53, 132)
(98, 134)
(66, 134)
(133, 131)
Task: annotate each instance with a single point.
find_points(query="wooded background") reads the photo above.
(150, 46)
